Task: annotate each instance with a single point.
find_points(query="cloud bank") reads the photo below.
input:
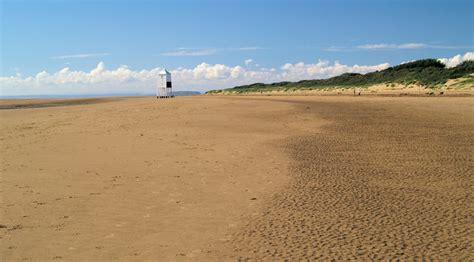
(456, 60)
(123, 80)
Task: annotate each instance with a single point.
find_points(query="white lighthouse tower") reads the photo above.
(164, 86)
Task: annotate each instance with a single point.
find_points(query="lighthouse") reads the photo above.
(164, 86)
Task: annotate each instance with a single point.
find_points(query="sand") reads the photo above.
(453, 87)
(227, 178)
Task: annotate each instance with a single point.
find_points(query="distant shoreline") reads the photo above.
(177, 93)
(40, 103)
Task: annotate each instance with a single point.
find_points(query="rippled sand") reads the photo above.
(226, 178)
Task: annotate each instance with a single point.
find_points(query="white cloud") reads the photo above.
(374, 46)
(412, 46)
(456, 60)
(206, 51)
(189, 52)
(323, 69)
(402, 46)
(101, 80)
(392, 46)
(248, 61)
(80, 56)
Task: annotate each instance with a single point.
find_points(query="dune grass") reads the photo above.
(428, 72)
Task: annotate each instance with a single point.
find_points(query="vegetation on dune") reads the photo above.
(428, 72)
(467, 81)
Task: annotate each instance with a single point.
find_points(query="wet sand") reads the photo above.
(226, 178)
(38, 103)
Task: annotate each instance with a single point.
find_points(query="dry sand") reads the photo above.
(226, 178)
(453, 87)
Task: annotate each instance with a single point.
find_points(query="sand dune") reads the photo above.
(226, 178)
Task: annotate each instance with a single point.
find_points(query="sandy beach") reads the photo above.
(224, 178)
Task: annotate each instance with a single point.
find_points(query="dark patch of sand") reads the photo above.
(388, 179)
(39, 103)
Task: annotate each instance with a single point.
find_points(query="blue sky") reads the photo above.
(53, 34)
